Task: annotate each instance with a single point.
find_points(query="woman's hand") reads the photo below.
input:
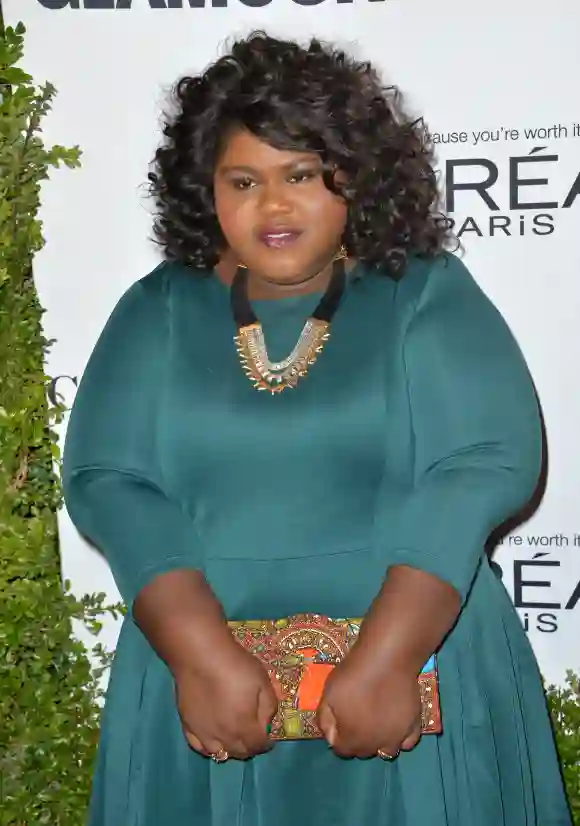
(368, 706)
(224, 695)
(226, 701)
(372, 699)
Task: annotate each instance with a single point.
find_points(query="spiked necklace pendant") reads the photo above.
(275, 377)
(251, 346)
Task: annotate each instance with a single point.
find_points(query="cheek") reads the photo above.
(232, 215)
(326, 211)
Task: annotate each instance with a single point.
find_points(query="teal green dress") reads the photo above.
(413, 436)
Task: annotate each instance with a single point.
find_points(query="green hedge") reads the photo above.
(49, 693)
(564, 703)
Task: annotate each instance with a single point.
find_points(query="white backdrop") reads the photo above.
(497, 83)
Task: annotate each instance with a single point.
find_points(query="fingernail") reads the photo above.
(269, 729)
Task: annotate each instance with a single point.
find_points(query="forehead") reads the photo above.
(242, 148)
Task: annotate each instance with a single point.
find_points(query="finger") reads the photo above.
(326, 722)
(346, 743)
(267, 701)
(343, 743)
(342, 747)
(225, 742)
(212, 746)
(252, 733)
(337, 743)
(254, 739)
(267, 708)
(195, 743)
(412, 739)
(349, 748)
(390, 748)
(238, 750)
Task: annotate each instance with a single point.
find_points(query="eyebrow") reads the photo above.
(224, 170)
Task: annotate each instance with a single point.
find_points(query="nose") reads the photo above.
(276, 199)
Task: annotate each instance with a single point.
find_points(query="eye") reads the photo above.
(242, 183)
(302, 176)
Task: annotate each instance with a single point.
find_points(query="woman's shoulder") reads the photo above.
(441, 285)
(446, 311)
(153, 291)
(443, 273)
(166, 277)
(143, 309)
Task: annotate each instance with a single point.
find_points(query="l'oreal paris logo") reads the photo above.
(538, 592)
(125, 5)
(515, 197)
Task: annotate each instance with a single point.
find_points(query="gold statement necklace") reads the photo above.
(251, 345)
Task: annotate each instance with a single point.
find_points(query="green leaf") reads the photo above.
(14, 77)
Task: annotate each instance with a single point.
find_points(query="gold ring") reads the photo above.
(384, 755)
(220, 756)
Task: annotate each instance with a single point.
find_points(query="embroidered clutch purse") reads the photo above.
(299, 652)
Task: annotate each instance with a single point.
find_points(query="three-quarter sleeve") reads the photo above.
(476, 432)
(112, 476)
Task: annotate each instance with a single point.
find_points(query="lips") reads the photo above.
(278, 238)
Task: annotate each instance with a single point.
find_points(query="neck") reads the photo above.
(260, 288)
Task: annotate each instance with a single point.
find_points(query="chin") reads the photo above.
(287, 272)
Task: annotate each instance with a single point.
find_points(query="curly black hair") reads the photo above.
(316, 99)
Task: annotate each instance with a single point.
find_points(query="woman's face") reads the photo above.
(276, 214)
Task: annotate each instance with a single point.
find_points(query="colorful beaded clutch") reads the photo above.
(299, 653)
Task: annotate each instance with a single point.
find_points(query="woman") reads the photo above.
(290, 187)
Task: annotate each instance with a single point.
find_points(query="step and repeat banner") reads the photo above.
(497, 85)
